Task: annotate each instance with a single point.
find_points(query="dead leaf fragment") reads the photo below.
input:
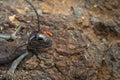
(14, 20)
(22, 11)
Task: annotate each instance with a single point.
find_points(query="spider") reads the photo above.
(37, 40)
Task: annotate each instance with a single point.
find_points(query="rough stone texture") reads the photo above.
(113, 60)
(86, 39)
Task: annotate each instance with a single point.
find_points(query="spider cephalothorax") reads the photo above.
(38, 40)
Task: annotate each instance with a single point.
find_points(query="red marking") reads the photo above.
(48, 33)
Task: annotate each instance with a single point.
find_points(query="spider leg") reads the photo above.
(36, 54)
(12, 36)
(16, 63)
(3, 36)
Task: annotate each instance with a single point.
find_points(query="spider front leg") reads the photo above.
(16, 63)
(12, 36)
(35, 52)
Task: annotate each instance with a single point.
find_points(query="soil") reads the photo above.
(86, 39)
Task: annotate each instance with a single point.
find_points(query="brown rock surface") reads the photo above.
(86, 39)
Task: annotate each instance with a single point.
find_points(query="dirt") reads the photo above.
(86, 39)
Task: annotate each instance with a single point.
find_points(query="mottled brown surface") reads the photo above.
(86, 39)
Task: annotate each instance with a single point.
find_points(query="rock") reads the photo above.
(112, 59)
(85, 39)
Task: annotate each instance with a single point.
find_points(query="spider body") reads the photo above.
(38, 40)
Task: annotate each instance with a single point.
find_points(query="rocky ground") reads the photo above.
(86, 39)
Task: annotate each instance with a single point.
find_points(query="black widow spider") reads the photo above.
(37, 40)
